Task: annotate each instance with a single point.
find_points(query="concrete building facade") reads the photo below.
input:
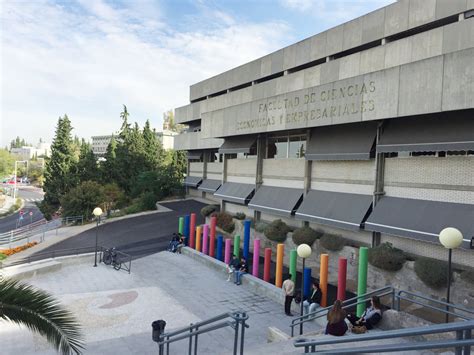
(365, 130)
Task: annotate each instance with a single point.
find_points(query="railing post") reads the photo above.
(242, 335)
(190, 349)
(467, 335)
(459, 336)
(236, 334)
(196, 342)
(398, 302)
(393, 298)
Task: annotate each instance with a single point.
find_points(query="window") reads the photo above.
(286, 147)
(297, 147)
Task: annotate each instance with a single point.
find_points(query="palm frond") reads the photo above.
(40, 312)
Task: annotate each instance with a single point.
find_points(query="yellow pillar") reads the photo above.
(323, 279)
(198, 238)
(279, 265)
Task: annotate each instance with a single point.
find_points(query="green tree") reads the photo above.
(86, 167)
(114, 197)
(81, 200)
(7, 163)
(125, 129)
(59, 177)
(153, 148)
(109, 166)
(42, 314)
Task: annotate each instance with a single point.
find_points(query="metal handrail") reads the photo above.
(120, 253)
(384, 291)
(191, 332)
(462, 329)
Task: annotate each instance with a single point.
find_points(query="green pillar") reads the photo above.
(293, 256)
(181, 225)
(362, 282)
(237, 246)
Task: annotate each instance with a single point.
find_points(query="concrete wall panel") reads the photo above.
(445, 8)
(421, 12)
(352, 34)
(396, 17)
(458, 36)
(458, 80)
(427, 44)
(349, 66)
(193, 140)
(372, 60)
(334, 40)
(373, 26)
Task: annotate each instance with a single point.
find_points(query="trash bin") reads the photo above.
(158, 329)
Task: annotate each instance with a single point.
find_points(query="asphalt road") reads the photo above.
(138, 236)
(30, 196)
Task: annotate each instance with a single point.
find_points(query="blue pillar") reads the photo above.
(307, 282)
(187, 220)
(220, 241)
(246, 238)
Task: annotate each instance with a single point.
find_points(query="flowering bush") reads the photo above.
(15, 250)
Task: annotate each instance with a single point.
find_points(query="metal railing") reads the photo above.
(27, 232)
(461, 343)
(72, 220)
(234, 320)
(124, 259)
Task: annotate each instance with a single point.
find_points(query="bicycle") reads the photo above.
(111, 258)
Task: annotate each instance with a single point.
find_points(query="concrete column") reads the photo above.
(308, 166)
(378, 181)
(188, 169)
(224, 177)
(259, 173)
(205, 159)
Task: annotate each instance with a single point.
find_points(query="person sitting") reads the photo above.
(233, 265)
(370, 317)
(312, 302)
(173, 246)
(336, 320)
(180, 244)
(242, 269)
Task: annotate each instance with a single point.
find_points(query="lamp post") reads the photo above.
(97, 213)
(304, 251)
(450, 238)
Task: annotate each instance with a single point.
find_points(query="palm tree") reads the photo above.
(41, 313)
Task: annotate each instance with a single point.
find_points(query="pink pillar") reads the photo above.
(266, 264)
(341, 279)
(205, 237)
(192, 230)
(227, 251)
(256, 257)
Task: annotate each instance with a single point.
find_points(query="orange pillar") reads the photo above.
(279, 265)
(198, 238)
(323, 279)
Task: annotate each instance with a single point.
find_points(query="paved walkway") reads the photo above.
(117, 309)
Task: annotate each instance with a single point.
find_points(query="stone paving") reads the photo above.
(117, 309)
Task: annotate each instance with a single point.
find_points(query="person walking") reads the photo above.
(289, 291)
(313, 301)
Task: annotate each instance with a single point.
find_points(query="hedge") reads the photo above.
(224, 221)
(240, 216)
(386, 257)
(432, 272)
(207, 210)
(277, 231)
(261, 226)
(305, 235)
(332, 242)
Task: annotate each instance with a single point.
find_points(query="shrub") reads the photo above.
(431, 271)
(148, 202)
(224, 221)
(240, 216)
(133, 208)
(386, 257)
(277, 231)
(332, 242)
(305, 235)
(207, 210)
(468, 276)
(261, 226)
(2, 256)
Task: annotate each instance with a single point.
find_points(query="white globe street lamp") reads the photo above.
(303, 251)
(97, 213)
(450, 238)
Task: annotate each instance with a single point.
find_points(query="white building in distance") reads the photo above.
(27, 152)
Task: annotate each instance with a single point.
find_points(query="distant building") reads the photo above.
(100, 143)
(26, 152)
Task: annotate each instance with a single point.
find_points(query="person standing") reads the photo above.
(289, 291)
(312, 303)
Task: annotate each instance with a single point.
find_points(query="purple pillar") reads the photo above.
(228, 244)
(256, 257)
(205, 242)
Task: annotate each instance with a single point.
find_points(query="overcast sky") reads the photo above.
(85, 58)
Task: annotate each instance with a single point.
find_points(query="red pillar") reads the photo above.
(192, 230)
(341, 279)
(212, 239)
(266, 264)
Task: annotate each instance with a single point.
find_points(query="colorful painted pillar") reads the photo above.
(212, 239)
(293, 258)
(227, 251)
(187, 219)
(323, 279)
(256, 257)
(237, 246)
(192, 230)
(246, 238)
(205, 237)
(306, 282)
(181, 225)
(362, 278)
(220, 241)
(341, 279)
(279, 265)
(198, 238)
(266, 264)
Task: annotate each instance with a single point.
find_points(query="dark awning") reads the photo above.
(342, 142)
(342, 210)
(192, 181)
(194, 154)
(421, 219)
(210, 185)
(276, 200)
(235, 192)
(238, 144)
(429, 134)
